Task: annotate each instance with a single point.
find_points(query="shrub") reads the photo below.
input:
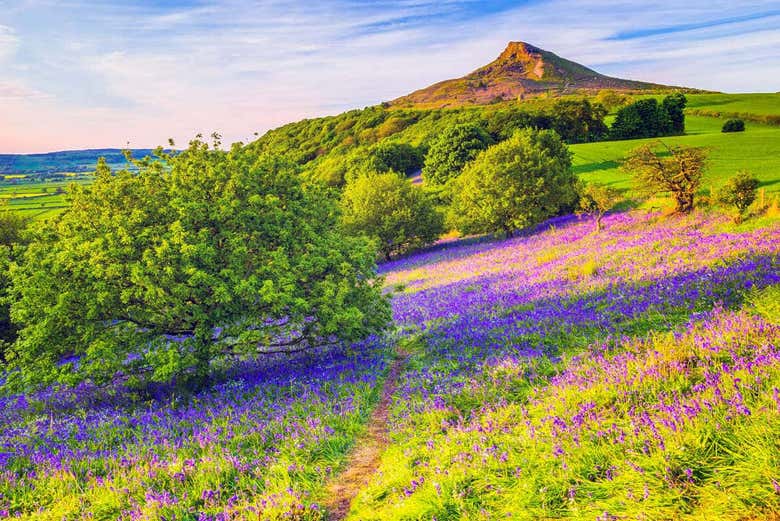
(389, 209)
(199, 256)
(733, 125)
(611, 99)
(515, 184)
(739, 191)
(398, 157)
(678, 172)
(596, 200)
(450, 152)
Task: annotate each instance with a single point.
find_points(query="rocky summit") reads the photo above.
(522, 70)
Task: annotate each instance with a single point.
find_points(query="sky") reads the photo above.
(92, 74)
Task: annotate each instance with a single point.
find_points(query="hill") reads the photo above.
(563, 373)
(521, 71)
(35, 185)
(64, 161)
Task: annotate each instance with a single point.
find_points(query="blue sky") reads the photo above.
(94, 73)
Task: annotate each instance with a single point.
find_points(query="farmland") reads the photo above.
(36, 200)
(755, 150)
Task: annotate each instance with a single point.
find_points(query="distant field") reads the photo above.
(36, 200)
(763, 104)
(757, 150)
(65, 161)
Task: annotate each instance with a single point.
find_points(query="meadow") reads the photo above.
(559, 374)
(259, 443)
(758, 107)
(632, 373)
(757, 151)
(36, 200)
(572, 375)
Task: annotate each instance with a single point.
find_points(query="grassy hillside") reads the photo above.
(561, 374)
(572, 375)
(759, 104)
(757, 150)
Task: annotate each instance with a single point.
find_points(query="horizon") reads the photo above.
(93, 75)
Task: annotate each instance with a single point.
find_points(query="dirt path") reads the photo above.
(364, 460)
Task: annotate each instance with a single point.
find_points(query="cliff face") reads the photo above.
(522, 70)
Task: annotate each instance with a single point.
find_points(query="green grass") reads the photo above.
(757, 150)
(762, 104)
(36, 200)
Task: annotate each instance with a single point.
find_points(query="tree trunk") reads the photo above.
(509, 232)
(202, 352)
(684, 203)
(598, 222)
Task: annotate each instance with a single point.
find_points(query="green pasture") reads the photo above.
(760, 104)
(36, 200)
(757, 150)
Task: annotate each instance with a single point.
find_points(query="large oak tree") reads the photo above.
(197, 256)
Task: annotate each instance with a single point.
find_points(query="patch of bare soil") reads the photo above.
(364, 460)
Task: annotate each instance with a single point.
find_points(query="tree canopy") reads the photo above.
(12, 227)
(398, 157)
(739, 191)
(517, 183)
(674, 105)
(579, 121)
(677, 170)
(198, 256)
(389, 209)
(596, 200)
(450, 152)
(647, 118)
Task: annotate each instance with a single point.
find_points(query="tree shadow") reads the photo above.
(595, 167)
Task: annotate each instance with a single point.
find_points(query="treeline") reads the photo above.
(648, 118)
(333, 148)
(576, 121)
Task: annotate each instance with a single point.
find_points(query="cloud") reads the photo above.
(669, 29)
(13, 90)
(8, 42)
(104, 73)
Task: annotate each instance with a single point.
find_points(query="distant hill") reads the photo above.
(522, 70)
(65, 161)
